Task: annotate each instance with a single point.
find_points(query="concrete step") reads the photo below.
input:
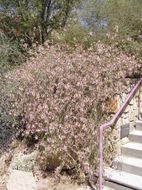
(132, 149)
(129, 164)
(136, 136)
(114, 186)
(21, 180)
(138, 125)
(126, 179)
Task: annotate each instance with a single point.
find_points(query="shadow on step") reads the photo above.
(117, 186)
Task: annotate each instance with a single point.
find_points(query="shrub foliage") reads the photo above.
(12, 53)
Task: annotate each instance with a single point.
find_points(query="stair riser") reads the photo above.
(131, 152)
(135, 138)
(128, 168)
(138, 126)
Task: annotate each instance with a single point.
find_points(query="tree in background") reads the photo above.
(92, 16)
(121, 16)
(34, 18)
(126, 15)
(54, 14)
(115, 21)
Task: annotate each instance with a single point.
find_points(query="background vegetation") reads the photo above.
(117, 22)
(70, 22)
(24, 23)
(12, 53)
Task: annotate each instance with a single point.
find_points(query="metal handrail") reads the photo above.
(111, 123)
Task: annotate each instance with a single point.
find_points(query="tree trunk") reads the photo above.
(45, 14)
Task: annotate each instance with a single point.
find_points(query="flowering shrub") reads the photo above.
(59, 100)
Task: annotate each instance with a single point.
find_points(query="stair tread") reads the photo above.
(130, 161)
(124, 178)
(136, 132)
(138, 121)
(133, 145)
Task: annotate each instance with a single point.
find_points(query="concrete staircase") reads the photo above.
(127, 171)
